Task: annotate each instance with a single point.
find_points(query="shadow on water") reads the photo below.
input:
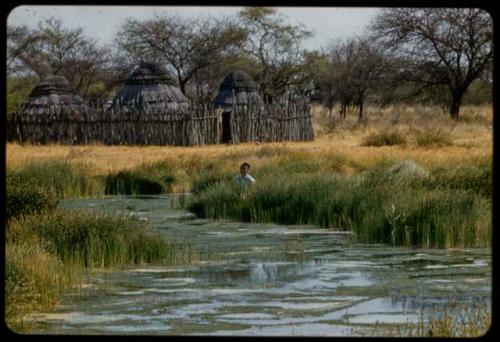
(265, 279)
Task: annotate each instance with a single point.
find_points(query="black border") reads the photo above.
(488, 5)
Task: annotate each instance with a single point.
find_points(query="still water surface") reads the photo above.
(265, 279)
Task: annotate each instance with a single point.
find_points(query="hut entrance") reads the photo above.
(226, 127)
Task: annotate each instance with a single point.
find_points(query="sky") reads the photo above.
(103, 22)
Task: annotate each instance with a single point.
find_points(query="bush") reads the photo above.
(398, 204)
(26, 198)
(385, 138)
(33, 280)
(93, 238)
(433, 137)
(209, 178)
(225, 200)
(58, 177)
(475, 178)
(130, 183)
(146, 179)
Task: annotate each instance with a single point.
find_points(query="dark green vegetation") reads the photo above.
(394, 202)
(400, 204)
(128, 183)
(58, 177)
(64, 180)
(49, 249)
(24, 198)
(433, 137)
(386, 200)
(93, 239)
(385, 137)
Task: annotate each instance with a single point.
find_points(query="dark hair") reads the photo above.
(244, 164)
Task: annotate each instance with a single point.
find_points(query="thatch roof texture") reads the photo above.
(150, 87)
(237, 88)
(52, 95)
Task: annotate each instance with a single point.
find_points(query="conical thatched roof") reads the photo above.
(54, 93)
(237, 86)
(150, 86)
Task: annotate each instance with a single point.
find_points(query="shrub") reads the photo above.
(433, 137)
(385, 138)
(59, 177)
(475, 178)
(146, 179)
(34, 279)
(130, 183)
(94, 238)
(209, 178)
(26, 198)
(395, 204)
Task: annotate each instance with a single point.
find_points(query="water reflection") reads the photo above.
(266, 279)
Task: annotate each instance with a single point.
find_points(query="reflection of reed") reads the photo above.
(295, 250)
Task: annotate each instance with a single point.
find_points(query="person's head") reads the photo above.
(244, 168)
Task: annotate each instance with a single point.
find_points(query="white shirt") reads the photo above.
(244, 180)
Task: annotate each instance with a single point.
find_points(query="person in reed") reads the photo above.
(244, 179)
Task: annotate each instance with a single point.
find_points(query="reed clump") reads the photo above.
(385, 137)
(34, 279)
(436, 137)
(48, 250)
(402, 204)
(462, 320)
(59, 177)
(95, 239)
(26, 198)
(47, 253)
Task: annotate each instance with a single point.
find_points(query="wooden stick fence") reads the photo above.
(163, 124)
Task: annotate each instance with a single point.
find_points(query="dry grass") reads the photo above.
(470, 138)
(473, 320)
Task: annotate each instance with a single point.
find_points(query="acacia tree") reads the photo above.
(444, 46)
(185, 46)
(355, 69)
(277, 48)
(21, 48)
(320, 70)
(53, 49)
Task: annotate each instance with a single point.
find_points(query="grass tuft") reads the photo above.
(385, 137)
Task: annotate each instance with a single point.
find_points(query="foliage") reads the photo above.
(58, 177)
(53, 49)
(93, 239)
(276, 46)
(399, 204)
(150, 179)
(446, 46)
(385, 138)
(18, 90)
(454, 320)
(433, 137)
(187, 46)
(23, 198)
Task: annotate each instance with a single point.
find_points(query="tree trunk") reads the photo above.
(182, 86)
(455, 105)
(360, 115)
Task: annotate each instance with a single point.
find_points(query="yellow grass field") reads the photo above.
(471, 138)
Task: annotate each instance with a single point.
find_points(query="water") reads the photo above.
(265, 279)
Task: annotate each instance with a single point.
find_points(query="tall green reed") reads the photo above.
(60, 177)
(398, 204)
(95, 239)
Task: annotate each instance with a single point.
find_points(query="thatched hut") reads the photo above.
(54, 94)
(237, 88)
(150, 88)
(238, 96)
(45, 115)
